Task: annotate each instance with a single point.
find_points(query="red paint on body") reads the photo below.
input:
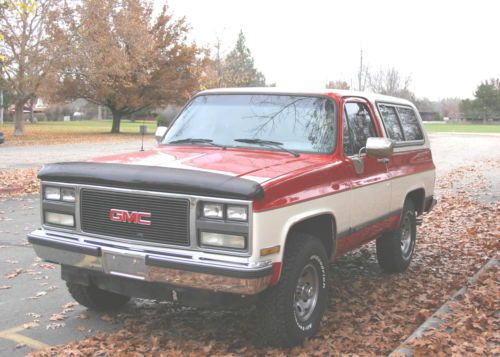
(355, 240)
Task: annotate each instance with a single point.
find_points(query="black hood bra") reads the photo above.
(153, 178)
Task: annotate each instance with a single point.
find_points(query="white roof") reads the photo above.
(372, 97)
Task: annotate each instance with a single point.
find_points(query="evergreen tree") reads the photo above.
(239, 68)
(486, 104)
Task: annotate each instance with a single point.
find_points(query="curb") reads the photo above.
(434, 321)
(9, 190)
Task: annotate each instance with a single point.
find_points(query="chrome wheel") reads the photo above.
(406, 233)
(306, 293)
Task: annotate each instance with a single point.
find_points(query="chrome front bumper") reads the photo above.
(182, 269)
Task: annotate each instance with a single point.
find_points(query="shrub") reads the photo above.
(166, 116)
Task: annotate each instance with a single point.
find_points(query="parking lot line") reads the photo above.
(13, 335)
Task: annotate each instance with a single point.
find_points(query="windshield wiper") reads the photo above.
(195, 141)
(268, 143)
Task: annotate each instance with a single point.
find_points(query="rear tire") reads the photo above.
(395, 249)
(291, 311)
(96, 299)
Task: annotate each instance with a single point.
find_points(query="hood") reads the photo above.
(256, 165)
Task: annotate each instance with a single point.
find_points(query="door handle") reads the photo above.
(383, 160)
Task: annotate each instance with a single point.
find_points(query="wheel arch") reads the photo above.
(321, 225)
(417, 195)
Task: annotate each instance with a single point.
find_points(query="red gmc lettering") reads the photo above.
(120, 215)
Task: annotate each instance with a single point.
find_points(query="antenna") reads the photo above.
(143, 130)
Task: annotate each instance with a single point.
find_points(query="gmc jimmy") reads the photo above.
(247, 198)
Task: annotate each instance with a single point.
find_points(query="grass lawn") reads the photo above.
(461, 128)
(98, 130)
(73, 132)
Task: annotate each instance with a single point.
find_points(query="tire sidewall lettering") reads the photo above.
(322, 268)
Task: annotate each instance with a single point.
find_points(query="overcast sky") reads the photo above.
(447, 47)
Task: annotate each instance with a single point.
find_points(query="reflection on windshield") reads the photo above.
(303, 124)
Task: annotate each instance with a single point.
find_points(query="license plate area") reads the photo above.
(129, 266)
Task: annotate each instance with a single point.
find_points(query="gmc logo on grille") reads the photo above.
(120, 215)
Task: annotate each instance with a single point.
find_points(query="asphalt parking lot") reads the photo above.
(36, 309)
(17, 157)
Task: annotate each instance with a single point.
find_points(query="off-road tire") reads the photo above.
(278, 324)
(96, 299)
(391, 255)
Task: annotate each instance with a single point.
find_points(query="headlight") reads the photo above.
(68, 194)
(222, 240)
(213, 210)
(237, 213)
(52, 193)
(60, 219)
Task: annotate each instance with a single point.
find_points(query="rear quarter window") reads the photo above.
(401, 123)
(391, 122)
(409, 122)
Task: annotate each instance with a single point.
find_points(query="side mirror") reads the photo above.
(160, 133)
(379, 147)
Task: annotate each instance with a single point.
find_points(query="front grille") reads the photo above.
(169, 216)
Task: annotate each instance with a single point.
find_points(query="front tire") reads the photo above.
(291, 311)
(395, 249)
(96, 299)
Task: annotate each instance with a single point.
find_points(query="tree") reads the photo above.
(337, 85)
(450, 107)
(28, 50)
(486, 103)
(125, 58)
(488, 97)
(238, 69)
(390, 82)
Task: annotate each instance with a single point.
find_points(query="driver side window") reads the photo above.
(360, 126)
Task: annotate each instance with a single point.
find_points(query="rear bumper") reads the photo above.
(186, 270)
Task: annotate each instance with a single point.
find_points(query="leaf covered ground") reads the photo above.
(471, 327)
(17, 182)
(369, 313)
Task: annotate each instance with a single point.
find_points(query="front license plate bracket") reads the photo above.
(129, 266)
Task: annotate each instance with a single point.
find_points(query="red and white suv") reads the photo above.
(247, 198)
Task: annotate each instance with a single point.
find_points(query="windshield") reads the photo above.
(298, 123)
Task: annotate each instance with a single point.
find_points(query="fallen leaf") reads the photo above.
(55, 325)
(69, 305)
(57, 317)
(30, 325)
(13, 274)
(38, 295)
(107, 318)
